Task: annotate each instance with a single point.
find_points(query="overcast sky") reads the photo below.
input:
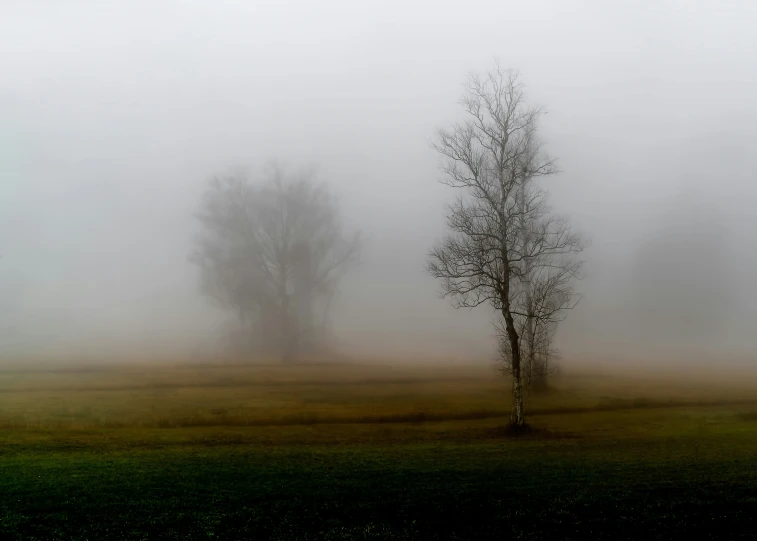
(114, 114)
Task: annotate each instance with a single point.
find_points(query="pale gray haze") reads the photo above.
(113, 115)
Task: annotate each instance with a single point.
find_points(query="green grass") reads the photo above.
(377, 453)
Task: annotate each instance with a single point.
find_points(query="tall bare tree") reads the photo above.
(504, 247)
(274, 252)
(543, 291)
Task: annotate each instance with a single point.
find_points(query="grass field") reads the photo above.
(340, 451)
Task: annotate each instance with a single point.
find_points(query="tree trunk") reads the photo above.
(518, 415)
(287, 337)
(287, 327)
(517, 419)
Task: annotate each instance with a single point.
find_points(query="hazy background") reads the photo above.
(114, 114)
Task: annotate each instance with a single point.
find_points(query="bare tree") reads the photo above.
(504, 248)
(273, 252)
(541, 298)
(544, 289)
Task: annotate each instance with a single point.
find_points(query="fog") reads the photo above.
(115, 114)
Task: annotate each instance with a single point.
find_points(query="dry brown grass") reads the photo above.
(181, 396)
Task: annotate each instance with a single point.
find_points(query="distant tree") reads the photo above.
(273, 252)
(504, 247)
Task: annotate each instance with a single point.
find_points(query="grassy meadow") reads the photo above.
(358, 451)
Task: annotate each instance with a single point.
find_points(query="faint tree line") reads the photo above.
(273, 251)
(504, 246)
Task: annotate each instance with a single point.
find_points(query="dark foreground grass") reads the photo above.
(371, 453)
(530, 488)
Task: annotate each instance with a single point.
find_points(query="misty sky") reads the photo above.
(114, 114)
